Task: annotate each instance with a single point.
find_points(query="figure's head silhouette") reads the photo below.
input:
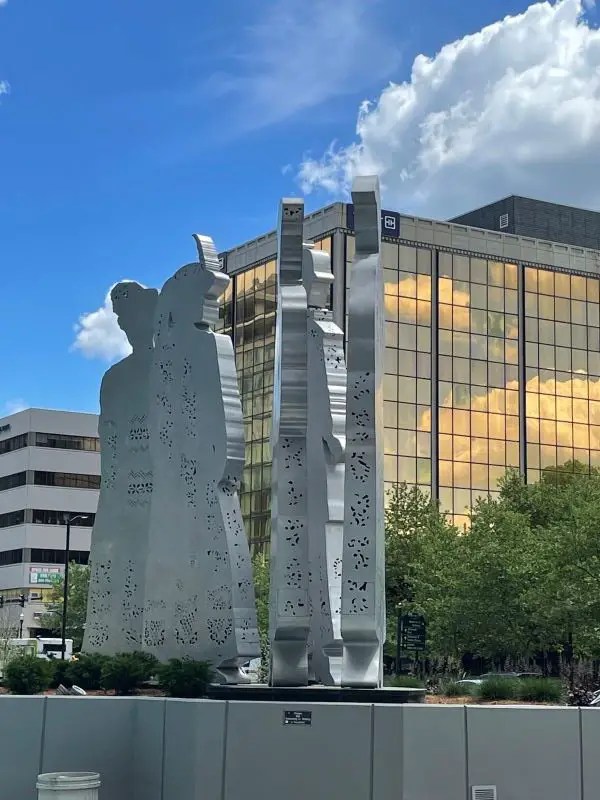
(194, 290)
(134, 306)
(317, 276)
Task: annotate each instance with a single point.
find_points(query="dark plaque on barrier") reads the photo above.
(297, 717)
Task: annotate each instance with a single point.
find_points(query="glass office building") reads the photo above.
(492, 354)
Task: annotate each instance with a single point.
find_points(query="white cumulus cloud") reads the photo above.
(97, 334)
(13, 406)
(511, 109)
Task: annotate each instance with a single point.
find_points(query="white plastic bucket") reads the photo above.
(68, 786)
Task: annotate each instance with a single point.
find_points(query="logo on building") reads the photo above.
(390, 222)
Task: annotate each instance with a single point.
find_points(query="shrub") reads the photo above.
(580, 696)
(126, 672)
(184, 677)
(27, 675)
(407, 682)
(455, 689)
(540, 690)
(148, 661)
(497, 689)
(59, 673)
(86, 672)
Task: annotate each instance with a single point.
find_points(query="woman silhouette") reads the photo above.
(120, 535)
(199, 593)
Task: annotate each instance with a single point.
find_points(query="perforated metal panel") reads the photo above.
(484, 793)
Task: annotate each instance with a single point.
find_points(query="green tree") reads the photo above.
(522, 579)
(499, 568)
(79, 579)
(572, 579)
(260, 565)
(422, 551)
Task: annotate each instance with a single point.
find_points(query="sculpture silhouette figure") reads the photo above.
(120, 534)
(326, 441)
(199, 591)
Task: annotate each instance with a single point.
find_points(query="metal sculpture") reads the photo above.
(120, 534)
(289, 601)
(326, 437)
(199, 595)
(363, 561)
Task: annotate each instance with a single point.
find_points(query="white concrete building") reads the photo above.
(49, 469)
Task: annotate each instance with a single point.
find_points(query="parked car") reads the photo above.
(478, 680)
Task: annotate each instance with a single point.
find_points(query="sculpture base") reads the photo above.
(261, 692)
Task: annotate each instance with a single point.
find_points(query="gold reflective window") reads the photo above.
(546, 307)
(444, 264)
(593, 290)
(495, 273)
(562, 284)
(461, 268)
(511, 301)
(531, 283)
(495, 299)
(478, 296)
(578, 308)
(424, 261)
(479, 373)
(424, 339)
(478, 270)
(391, 334)
(562, 309)
(531, 304)
(511, 276)
(578, 284)
(545, 282)
(407, 284)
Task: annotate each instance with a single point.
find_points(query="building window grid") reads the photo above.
(70, 480)
(407, 365)
(41, 516)
(11, 518)
(478, 388)
(8, 557)
(253, 320)
(65, 442)
(13, 481)
(479, 370)
(562, 371)
(254, 339)
(46, 555)
(14, 443)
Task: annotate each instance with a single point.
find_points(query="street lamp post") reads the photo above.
(70, 521)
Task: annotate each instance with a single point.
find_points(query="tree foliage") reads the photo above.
(524, 578)
(79, 579)
(260, 565)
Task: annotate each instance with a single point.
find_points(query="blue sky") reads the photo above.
(130, 125)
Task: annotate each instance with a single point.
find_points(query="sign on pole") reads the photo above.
(413, 632)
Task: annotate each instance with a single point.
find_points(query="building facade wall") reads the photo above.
(55, 468)
(492, 216)
(470, 390)
(538, 219)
